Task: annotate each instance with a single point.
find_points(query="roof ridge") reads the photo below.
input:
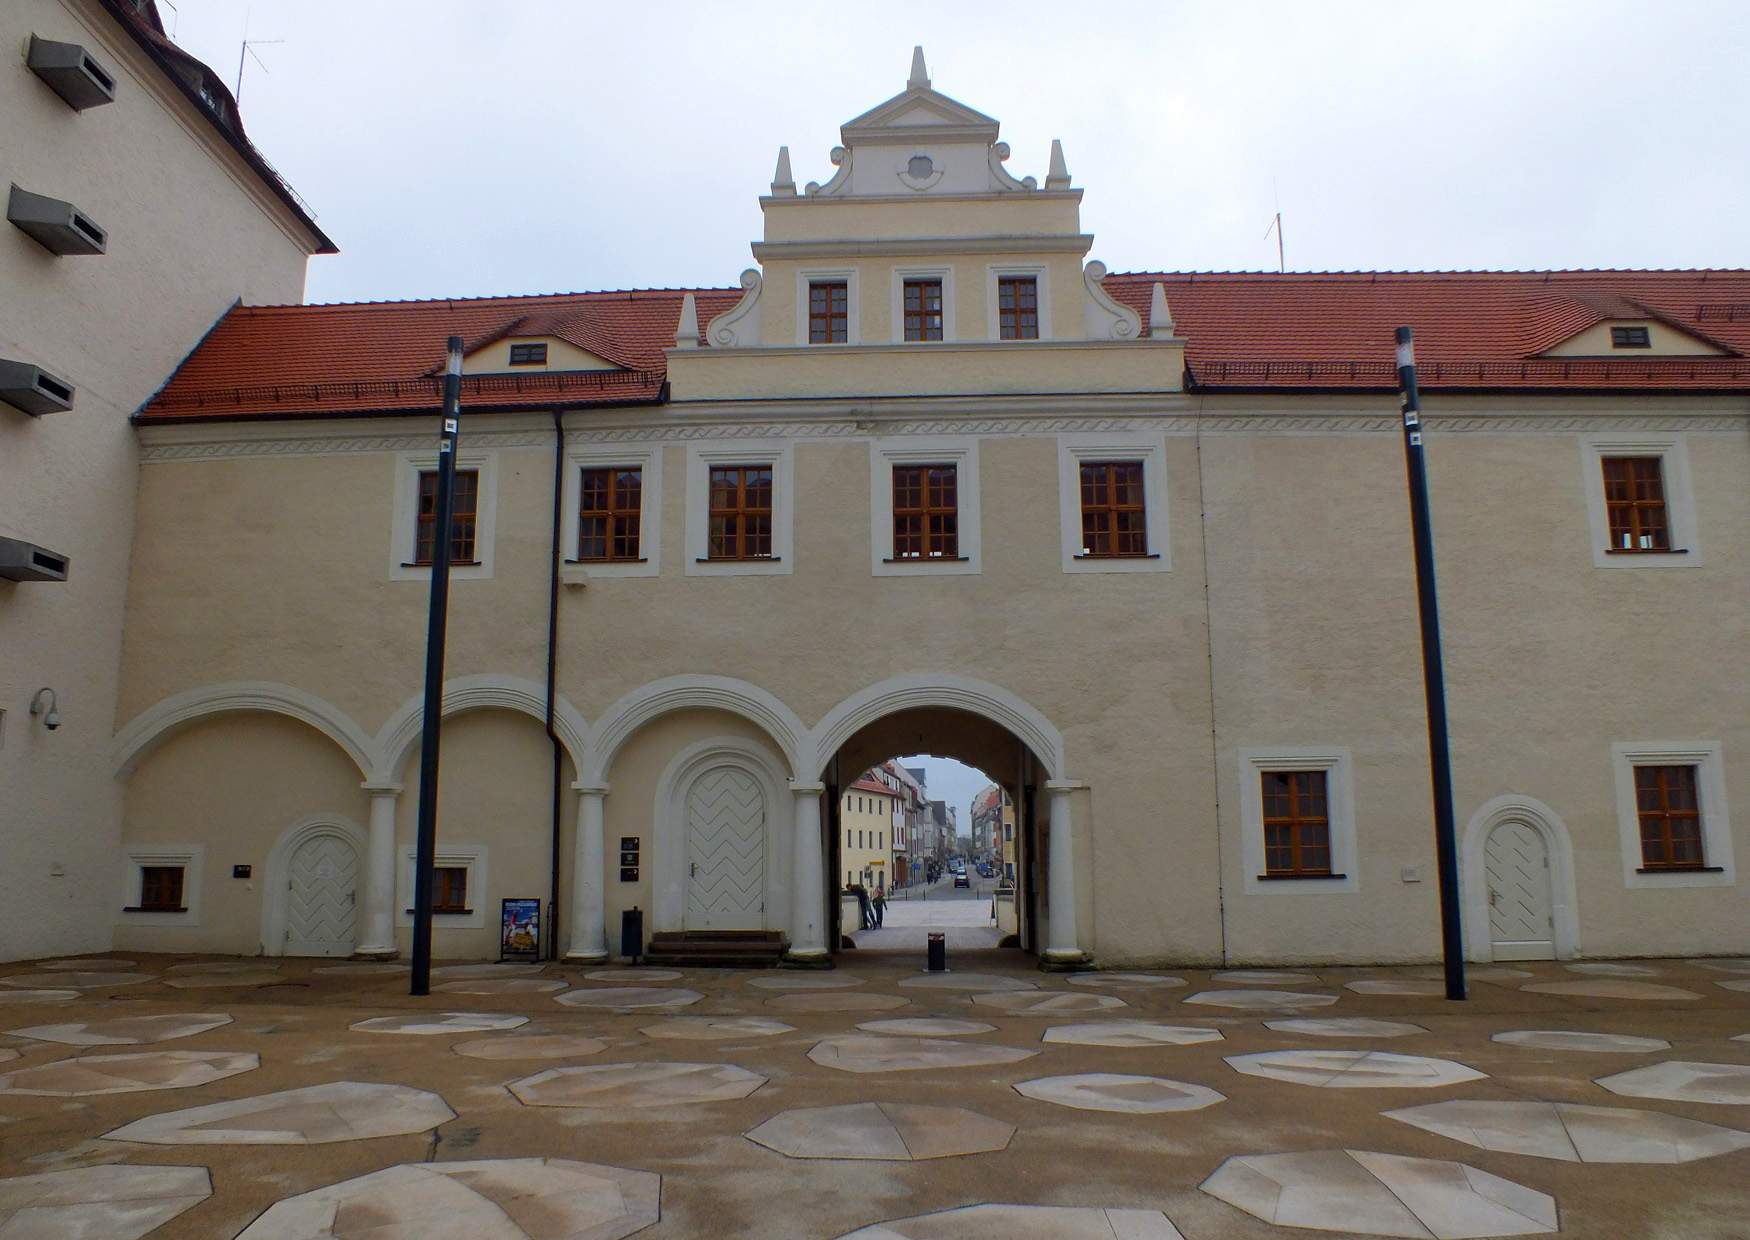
(629, 294)
(1439, 272)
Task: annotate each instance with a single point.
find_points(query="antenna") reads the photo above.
(248, 49)
(175, 16)
(1276, 227)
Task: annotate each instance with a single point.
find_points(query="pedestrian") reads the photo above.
(863, 915)
(879, 904)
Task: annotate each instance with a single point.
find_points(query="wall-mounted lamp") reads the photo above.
(44, 704)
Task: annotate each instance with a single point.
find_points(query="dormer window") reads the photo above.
(829, 305)
(528, 354)
(1630, 338)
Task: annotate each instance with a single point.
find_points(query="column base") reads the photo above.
(376, 953)
(1063, 960)
(808, 958)
(586, 957)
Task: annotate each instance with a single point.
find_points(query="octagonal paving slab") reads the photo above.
(74, 979)
(1129, 1033)
(1363, 1192)
(488, 970)
(1609, 988)
(531, 1046)
(1354, 1069)
(926, 1027)
(1264, 977)
(213, 981)
(500, 986)
(1612, 968)
(502, 1198)
(1396, 986)
(1572, 1133)
(1684, 1080)
(313, 1115)
(431, 1024)
(836, 1001)
(716, 1028)
(1006, 1222)
(1480, 973)
(883, 1131)
(1726, 966)
(107, 1202)
(1047, 1002)
(90, 1075)
(198, 967)
(88, 962)
(36, 996)
(1741, 984)
(1263, 1000)
(633, 975)
(792, 980)
(988, 983)
(1126, 981)
(1579, 1040)
(362, 968)
(1120, 1092)
(855, 1052)
(126, 1030)
(628, 998)
(620, 1086)
(1344, 1027)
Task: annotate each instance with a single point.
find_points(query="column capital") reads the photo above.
(1065, 785)
(590, 790)
(806, 790)
(382, 790)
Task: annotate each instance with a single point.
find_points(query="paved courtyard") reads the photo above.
(300, 1099)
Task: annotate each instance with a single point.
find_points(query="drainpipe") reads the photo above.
(553, 675)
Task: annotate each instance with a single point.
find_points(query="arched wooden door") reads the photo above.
(321, 903)
(1521, 902)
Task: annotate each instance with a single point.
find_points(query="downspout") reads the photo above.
(553, 675)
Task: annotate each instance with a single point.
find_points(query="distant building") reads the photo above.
(867, 814)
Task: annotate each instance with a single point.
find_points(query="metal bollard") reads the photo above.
(938, 952)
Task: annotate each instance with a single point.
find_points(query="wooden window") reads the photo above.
(741, 512)
(609, 510)
(1634, 500)
(449, 889)
(1630, 338)
(1670, 812)
(829, 303)
(1018, 307)
(1297, 824)
(528, 354)
(926, 513)
(462, 519)
(923, 309)
(1114, 514)
(161, 889)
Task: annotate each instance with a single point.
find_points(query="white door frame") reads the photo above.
(278, 872)
(668, 869)
(1474, 883)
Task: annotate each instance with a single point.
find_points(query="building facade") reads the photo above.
(867, 814)
(1137, 542)
(138, 214)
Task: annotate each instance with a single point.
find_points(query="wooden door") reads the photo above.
(1521, 906)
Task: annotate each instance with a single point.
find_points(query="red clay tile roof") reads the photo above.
(864, 784)
(1247, 331)
(1474, 330)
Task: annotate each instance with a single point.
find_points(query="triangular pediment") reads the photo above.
(919, 106)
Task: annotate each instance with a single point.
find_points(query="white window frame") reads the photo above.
(408, 466)
(1673, 453)
(700, 458)
(470, 856)
(853, 318)
(1151, 450)
(579, 457)
(993, 320)
(960, 451)
(1335, 762)
(190, 857)
(1716, 815)
(900, 276)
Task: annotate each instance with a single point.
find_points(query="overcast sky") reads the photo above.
(461, 148)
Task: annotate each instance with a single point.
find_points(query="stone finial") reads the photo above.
(783, 184)
(686, 332)
(1160, 319)
(920, 78)
(1057, 176)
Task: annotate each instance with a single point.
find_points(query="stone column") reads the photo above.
(376, 940)
(808, 879)
(588, 942)
(1060, 877)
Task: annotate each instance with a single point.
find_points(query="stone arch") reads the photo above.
(157, 723)
(668, 857)
(276, 873)
(661, 697)
(947, 691)
(397, 737)
(1473, 883)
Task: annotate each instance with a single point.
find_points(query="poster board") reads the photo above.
(519, 934)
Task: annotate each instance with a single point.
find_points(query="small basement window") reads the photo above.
(449, 891)
(1630, 338)
(161, 889)
(528, 354)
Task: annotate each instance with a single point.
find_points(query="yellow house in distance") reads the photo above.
(867, 813)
